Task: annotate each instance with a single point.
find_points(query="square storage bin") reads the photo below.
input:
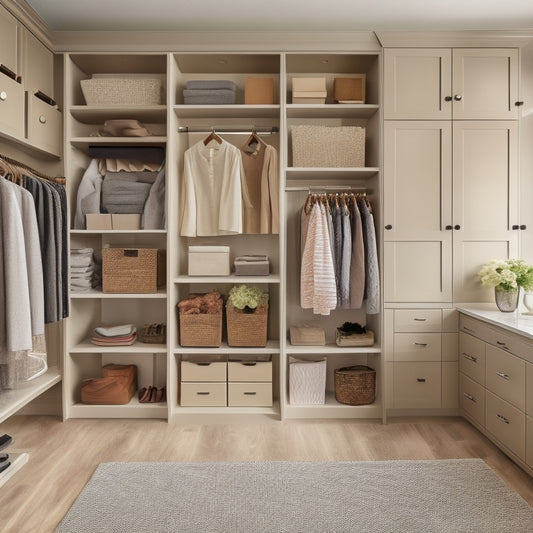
(200, 330)
(328, 146)
(203, 394)
(250, 370)
(123, 221)
(98, 221)
(349, 90)
(259, 91)
(209, 261)
(309, 91)
(249, 394)
(122, 91)
(203, 371)
(252, 265)
(307, 381)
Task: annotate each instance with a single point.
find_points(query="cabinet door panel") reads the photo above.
(486, 80)
(38, 66)
(9, 28)
(416, 83)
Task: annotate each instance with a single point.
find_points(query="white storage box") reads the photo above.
(250, 370)
(203, 370)
(203, 394)
(307, 381)
(121, 91)
(309, 91)
(328, 146)
(209, 261)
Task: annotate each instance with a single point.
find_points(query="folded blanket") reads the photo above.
(210, 84)
(209, 97)
(122, 196)
(115, 331)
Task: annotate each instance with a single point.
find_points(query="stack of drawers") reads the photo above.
(216, 383)
(494, 368)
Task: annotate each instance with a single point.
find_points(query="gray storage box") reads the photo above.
(252, 265)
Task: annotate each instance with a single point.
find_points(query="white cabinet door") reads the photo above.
(38, 66)
(417, 211)
(417, 83)
(485, 83)
(9, 29)
(485, 202)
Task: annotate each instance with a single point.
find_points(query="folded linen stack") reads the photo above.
(82, 269)
(209, 92)
(120, 335)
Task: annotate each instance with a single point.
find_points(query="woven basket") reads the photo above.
(355, 339)
(129, 270)
(247, 329)
(355, 385)
(154, 334)
(328, 146)
(201, 330)
(121, 91)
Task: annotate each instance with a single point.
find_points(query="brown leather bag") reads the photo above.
(116, 387)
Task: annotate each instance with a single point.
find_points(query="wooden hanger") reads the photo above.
(212, 137)
(254, 138)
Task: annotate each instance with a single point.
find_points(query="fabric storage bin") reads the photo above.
(349, 90)
(98, 221)
(209, 261)
(259, 91)
(355, 339)
(132, 270)
(355, 385)
(203, 394)
(121, 91)
(203, 371)
(309, 91)
(307, 381)
(307, 335)
(126, 221)
(328, 146)
(252, 265)
(247, 329)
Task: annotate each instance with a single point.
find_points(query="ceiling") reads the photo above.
(283, 15)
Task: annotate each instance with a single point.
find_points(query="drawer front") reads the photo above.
(529, 389)
(474, 327)
(203, 394)
(412, 320)
(506, 423)
(472, 357)
(11, 107)
(529, 442)
(250, 371)
(417, 346)
(203, 371)
(250, 394)
(512, 344)
(44, 125)
(472, 398)
(506, 376)
(417, 385)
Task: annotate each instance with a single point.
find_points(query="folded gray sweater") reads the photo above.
(210, 84)
(218, 96)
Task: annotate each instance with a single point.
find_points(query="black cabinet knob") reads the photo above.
(388, 226)
(515, 226)
(523, 226)
(519, 103)
(457, 226)
(449, 227)
(448, 98)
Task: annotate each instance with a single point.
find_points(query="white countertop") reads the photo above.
(517, 322)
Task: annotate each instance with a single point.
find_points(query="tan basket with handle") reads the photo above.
(247, 329)
(355, 385)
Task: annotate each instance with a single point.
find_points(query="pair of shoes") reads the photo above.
(152, 395)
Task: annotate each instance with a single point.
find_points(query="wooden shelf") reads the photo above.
(232, 278)
(331, 110)
(271, 347)
(326, 173)
(227, 111)
(133, 409)
(104, 295)
(156, 114)
(139, 347)
(117, 231)
(84, 142)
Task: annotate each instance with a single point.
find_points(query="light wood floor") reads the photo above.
(63, 455)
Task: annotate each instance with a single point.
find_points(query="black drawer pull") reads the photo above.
(203, 393)
(45, 98)
(421, 380)
(250, 393)
(203, 363)
(419, 319)
(469, 357)
(503, 419)
(422, 344)
(250, 363)
(468, 329)
(503, 375)
(8, 72)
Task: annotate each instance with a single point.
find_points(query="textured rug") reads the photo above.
(449, 496)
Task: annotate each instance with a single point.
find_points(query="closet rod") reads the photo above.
(241, 131)
(327, 188)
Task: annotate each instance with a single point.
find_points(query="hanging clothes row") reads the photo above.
(227, 190)
(33, 268)
(339, 257)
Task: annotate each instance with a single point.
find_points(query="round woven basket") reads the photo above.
(355, 385)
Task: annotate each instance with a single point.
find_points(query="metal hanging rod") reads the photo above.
(327, 188)
(232, 131)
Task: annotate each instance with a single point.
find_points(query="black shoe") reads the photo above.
(5, 441)
(5, 466)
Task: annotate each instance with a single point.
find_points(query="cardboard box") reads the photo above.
(126, 222)
(309, 91)
(209, 261)
(99, 221)
(350, 90)
(259, 91)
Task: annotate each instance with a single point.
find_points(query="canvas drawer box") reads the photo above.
(250, 370)
(98, 221)
(309, 91)
(259, 91)
(349, 90)
(132, 270)
(209, 261)
(126, 222)
(203, 370)
(252, 265)
(203, 394)
(119, 90)
(249, 394)
(44, 123)
(328, 146)
(11, 106)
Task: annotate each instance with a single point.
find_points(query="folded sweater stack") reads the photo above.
(82, 269)
(209, 92)
(121, 335)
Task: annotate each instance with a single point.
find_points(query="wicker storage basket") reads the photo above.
(355, 339)
(130, 270)
(328, 146)
(247, 329)
(355, 385)
(201, 330)
(121, 91)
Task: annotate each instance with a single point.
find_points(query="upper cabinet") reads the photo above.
(442, 83)
(9, 40)
(37, 66)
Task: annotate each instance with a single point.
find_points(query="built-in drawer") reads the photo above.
(204, 370)
(250, 394)
(203, 394)
(529, 389)
(417, 385)
(44, 125)
(529, 442)
(413, 320)
(472, 357)
(11, 107)
(417, 346)
(474, 327)
(506, 376)
(506, 423)
(250, 371)
(472, 399)
(511, 343)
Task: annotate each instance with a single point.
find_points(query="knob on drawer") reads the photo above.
(42, 119)
(3, 95)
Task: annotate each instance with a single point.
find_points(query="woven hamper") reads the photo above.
(247, 329)
(355, 385)
(122, 91)
(328, 146)
(129, 270)
(201, 330)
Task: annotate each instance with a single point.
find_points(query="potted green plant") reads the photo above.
(247, 316)
(507, 276)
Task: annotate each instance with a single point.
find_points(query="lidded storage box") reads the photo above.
(309, 91)
(121, 91)
(209, 261)
(328, 146)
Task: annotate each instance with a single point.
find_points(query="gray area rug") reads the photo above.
(449, 496)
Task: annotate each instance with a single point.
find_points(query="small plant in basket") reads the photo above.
(247, 299)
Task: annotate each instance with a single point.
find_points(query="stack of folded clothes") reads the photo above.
(121, 335)
(209, 92)
(82, 269)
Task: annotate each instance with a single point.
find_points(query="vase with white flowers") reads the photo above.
(507, 276)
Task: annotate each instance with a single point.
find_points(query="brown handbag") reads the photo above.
(116, 386)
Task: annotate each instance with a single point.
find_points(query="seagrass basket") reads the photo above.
(355, 385)
(129, 270)
(200, 330)
(247, 329)
(121, 91)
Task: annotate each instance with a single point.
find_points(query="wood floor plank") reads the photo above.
(63, 455)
